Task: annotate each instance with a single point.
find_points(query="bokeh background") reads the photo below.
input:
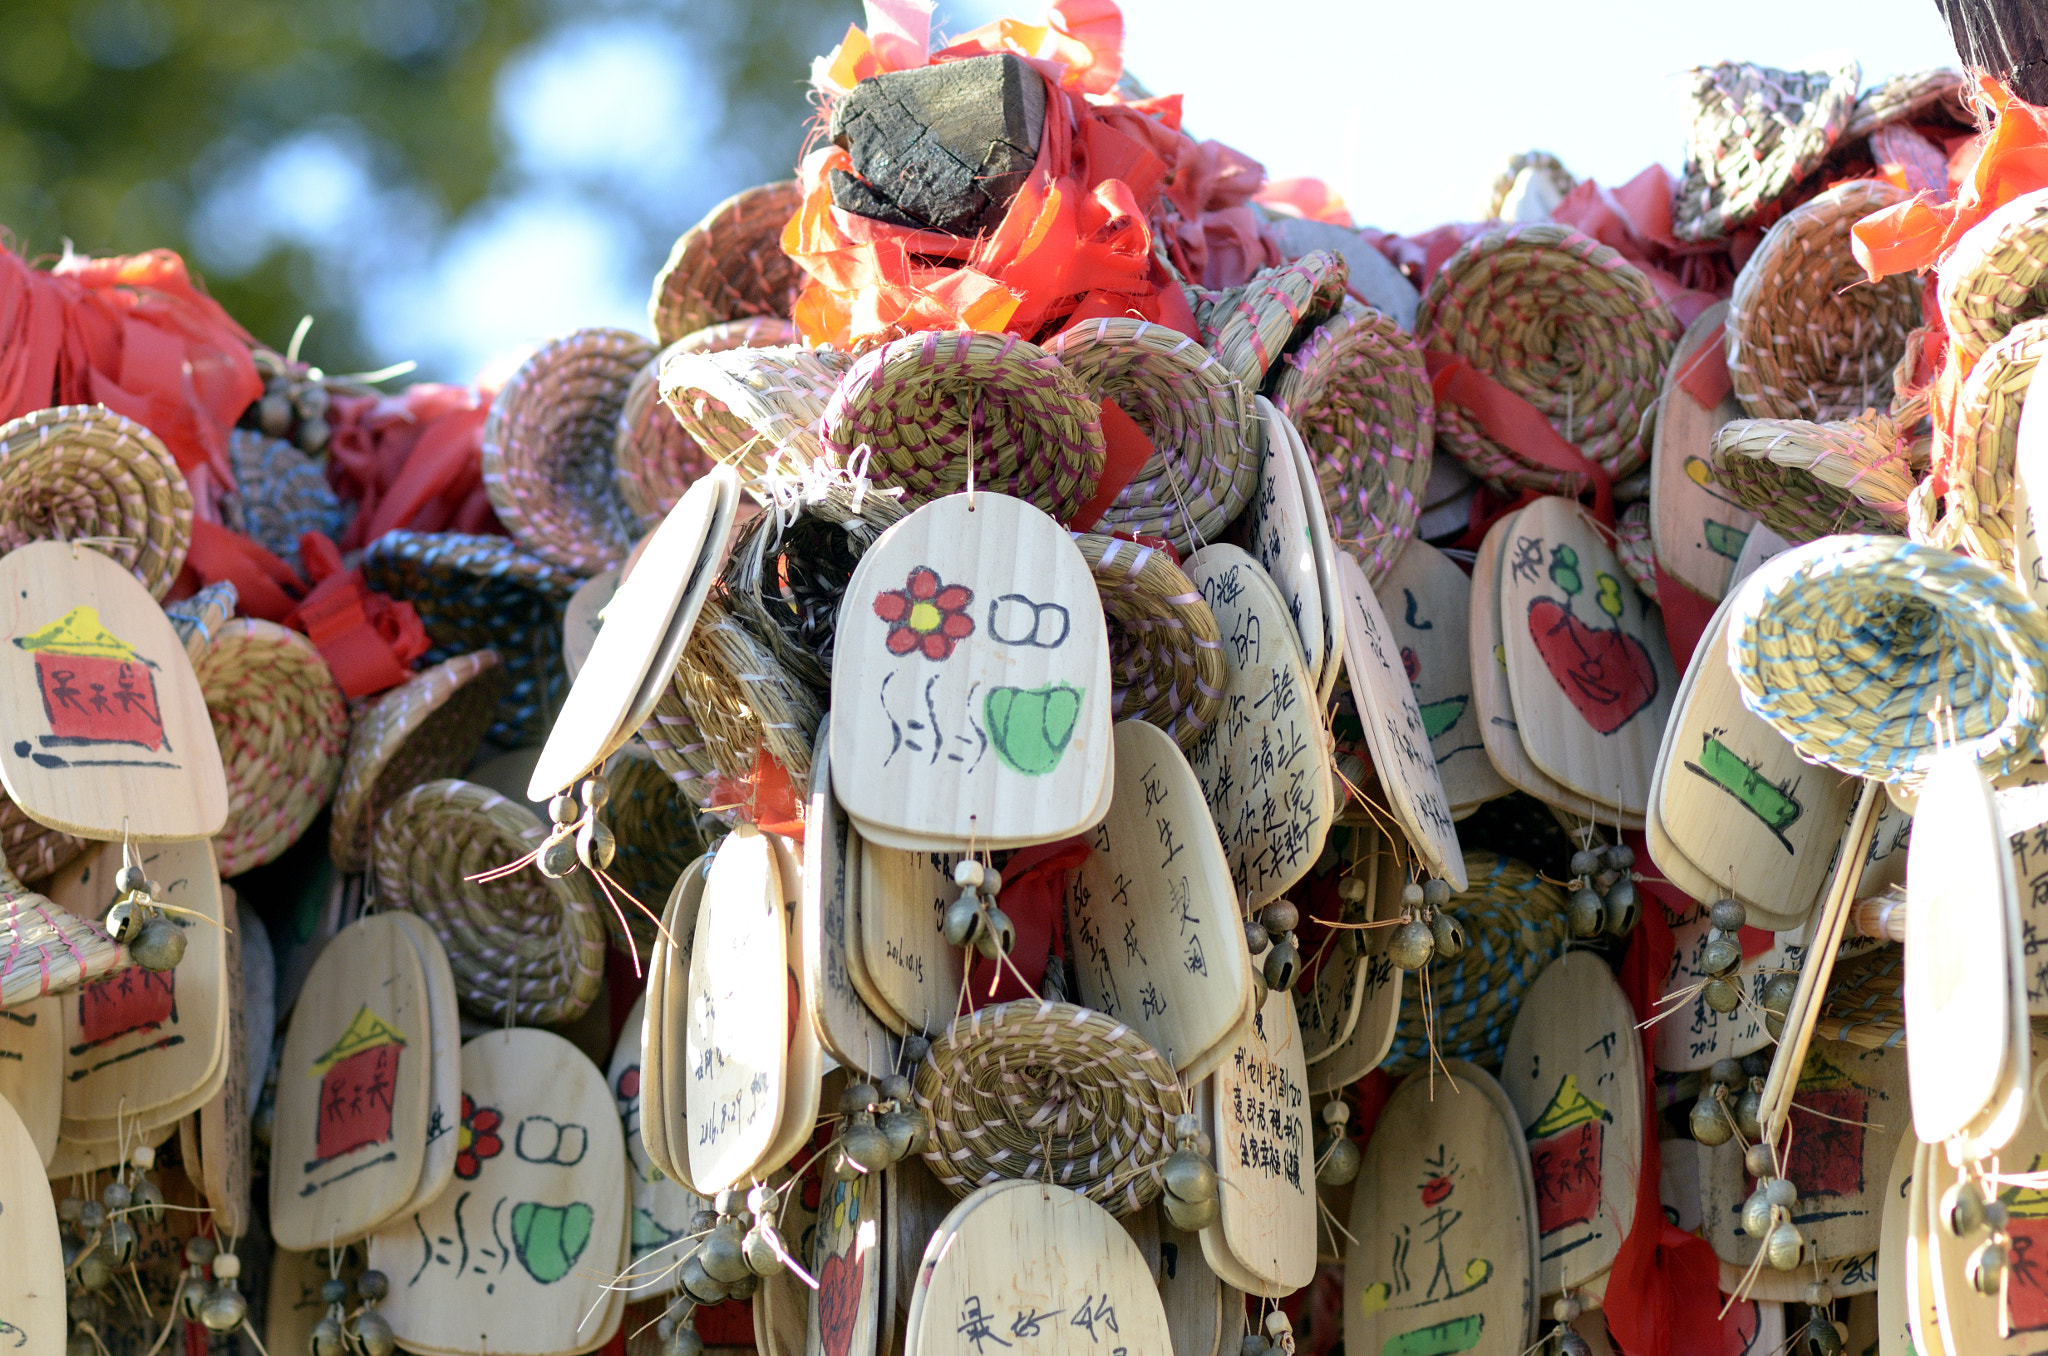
(449, 181)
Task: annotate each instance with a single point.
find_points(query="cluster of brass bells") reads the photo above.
(1426, 932)
(1189, 1176)
(98, 1239)
(1337, 1155)
(1731, 1101)
(1966, 1210)
(1603, 892)
(975, 919)
(1566, 1311)
(1271, 934)
(1767, 1214)
(1721, 955)
(732, 1256)
(220, 1306)
(293, 407)
(884, 1125)
(1278, 1339)
(577, 833)
(678, 1336)
(1824, 1336)
(154, 942)
(363, 1333)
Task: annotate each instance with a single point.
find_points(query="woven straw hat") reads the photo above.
(1357, 391)
(524, 945)
(1249, 327)
(548, 449)
(1565, 323)
(1808, 336)
(1866, 651)
(1997, 275)
(657, 835)
(484, 593)
(1515, 924)
(653, 459)
(1543, 163)
(282, 722)
(928, 404)
(1204, 466)
(1756, 131)
(1165, 651)
(81, 471)
(1035, 1090)
(1980, 510)
(45, 948)
(280, 495)
(756, 409)
(1808, 480)
(730, 265)
(426, 728)
(1918, 96)
(1634, 548)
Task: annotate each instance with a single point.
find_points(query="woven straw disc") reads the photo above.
(657, 834)
(79, 471)
(1562, 321)
(1756, 132)
(1634, 548)
(1165, 652)
(282, 722)
(1981, 512)
(1920, 95)
(1543, 163)
(1808, 336)
(280, 495)
(1997, 275)
(929, 403)
(522, 945)
(1358, 393)
(1866, 651)
(730, 265)
(756, 409)
(1032, 1090)
(1249, 327)
(198, 619)
(653, 459)
(426, 728)
(1204, 466)
(34, 851)
(740, 701)
(484, 593)
(1808, 480)
(548, 449)
(45, 948)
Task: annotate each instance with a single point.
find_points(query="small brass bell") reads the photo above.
(1253, 1344)
(94, 1270)
(1449, 935)
(998, 935)
(595, 845)
(1720, 955)
(697, 1283)
(159, 946)
(1748, 1106)
(1985, 1266)
(1962, 1209)
(327, 1337)
(1283, 964)
(558, 856)
(1824, 1336)
(1721, 995)
(763, 1248)
(1728, 915)
(721, 1254)
(1586, 861)
(1412, 945)
(1436, 894)
(1710, 1123)
(684, 1341)
(224, 1308)
(371, 1333)
(1569, 1343)
(1756, 1213)
(1757, 1161)
(864, 1143)
(1586, 912)
(1778, 993)
(962, 924)
(1256, 938)
(1783, 1246)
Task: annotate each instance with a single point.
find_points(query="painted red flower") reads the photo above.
(926, 614)
(478, 1139)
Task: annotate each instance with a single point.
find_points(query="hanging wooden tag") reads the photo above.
(513, 1261)
(737, 1048)
(1696, 526)
(1034, 1264)
(971, 679)
(443, 1042)
(1324, 545)
(1379, 998)
(76, 1157)
(1589, 671)
(1277, 533)
(1197, 1302)
(1574, 1073)
(848, 1030)
(1265, 1158)
(1696, 1035)
(1736, 799)
(1327, 1005)
(663, 1028)
(846, 1308)
(1441, 1260)
(1962, 925)
(582, 616)
(1525, 1174)
(1895, 1229)
(1401, 750)
(806, 1066)
(32, 1068)
(901, 906)
(31, 1256)
(661, 1207)
(1265, 765)
(645, 626)
(141, 1042)
(107, 733)
(1430, 617)
(354, 1088)
(221, 1126)
(1157, 936)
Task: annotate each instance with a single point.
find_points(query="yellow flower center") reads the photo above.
(925, 618)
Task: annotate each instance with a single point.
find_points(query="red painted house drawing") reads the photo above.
(356, 1081)
(96, 689)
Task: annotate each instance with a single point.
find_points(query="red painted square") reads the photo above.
(355, 1100)
(1826, 1157)
(92, 697)
(1567, 1170)
(2026, 1288)
(126, 1001)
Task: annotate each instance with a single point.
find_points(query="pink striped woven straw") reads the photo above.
(1806, 480)
(45, 948)
(1997, 275)
(1756, 131)
(929, 404)
(1565, 323)
(756, 409)
(1249, 327)
(730, 265)
(1165, 651)
(1931, 95)
(1358, 393)
(1634, 549)
(1980, 517)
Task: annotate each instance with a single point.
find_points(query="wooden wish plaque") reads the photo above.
(513, 1259)
(1574, 1074)
(1278, 534)
(1427, 601)
(354, 1084)
(848, 1029)
(32, 1067)
(970, 681)
(845, 1315)
(1265, 764)
(1441, 1259)
(1265, 1241)
(662, 1208)
(107, 733)
(442, 1048)
(664, 1027)
(583, 618)
(1328, 997)
(1696, 526)
(1202, 1313)
(2028, 503)
(913, 973)
(1157, 936)
(32, 1319)
(1402, 753)
(218, 1133)
(1589, 670)
(806, 1067)
(1695, 1035)
(1895, 1237)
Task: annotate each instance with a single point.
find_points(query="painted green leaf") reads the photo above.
(1440, 716)
(549, 1238)
(1438, 1339)
(1030, 726)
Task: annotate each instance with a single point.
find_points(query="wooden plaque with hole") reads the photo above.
(846, 1309)
(901, 908)
(1428, 604)
(845, 1026)
(32, 1068)
(1696, 526)
(661, 1207)
(1276, 527)
(1265, 1158)
(444, 1052)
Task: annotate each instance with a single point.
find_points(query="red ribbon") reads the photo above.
(1517, 425)
(369, 640)
(1034, 896)
(1128, 450)
(1704, 374)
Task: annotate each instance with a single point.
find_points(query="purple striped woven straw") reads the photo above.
(1249, 327)
(1165, 652)
(82, 471)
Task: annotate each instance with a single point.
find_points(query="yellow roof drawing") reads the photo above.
(365, 1031)
(78, 632)
(1568, 1108)
(1821, 1072)
(2026, 1202)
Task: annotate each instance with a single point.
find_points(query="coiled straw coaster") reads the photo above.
(1929, 95)
(522, 945)
(1979, 510)
(1756, 131)
(1872, 653)
(548, 449)
(1809, 337)
(1249, 327)
(1808, 480)
(34, 851)
(280, 495)
(730, 265)
(282, 724)
(1042, 1091)
(737, 702)
(1997, 275)
(45, 948)
(1358, 392)
(1165, 651)
(756, 409)
(82, 472)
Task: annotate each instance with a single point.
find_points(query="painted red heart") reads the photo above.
(839, 1287)
(1608, 676)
